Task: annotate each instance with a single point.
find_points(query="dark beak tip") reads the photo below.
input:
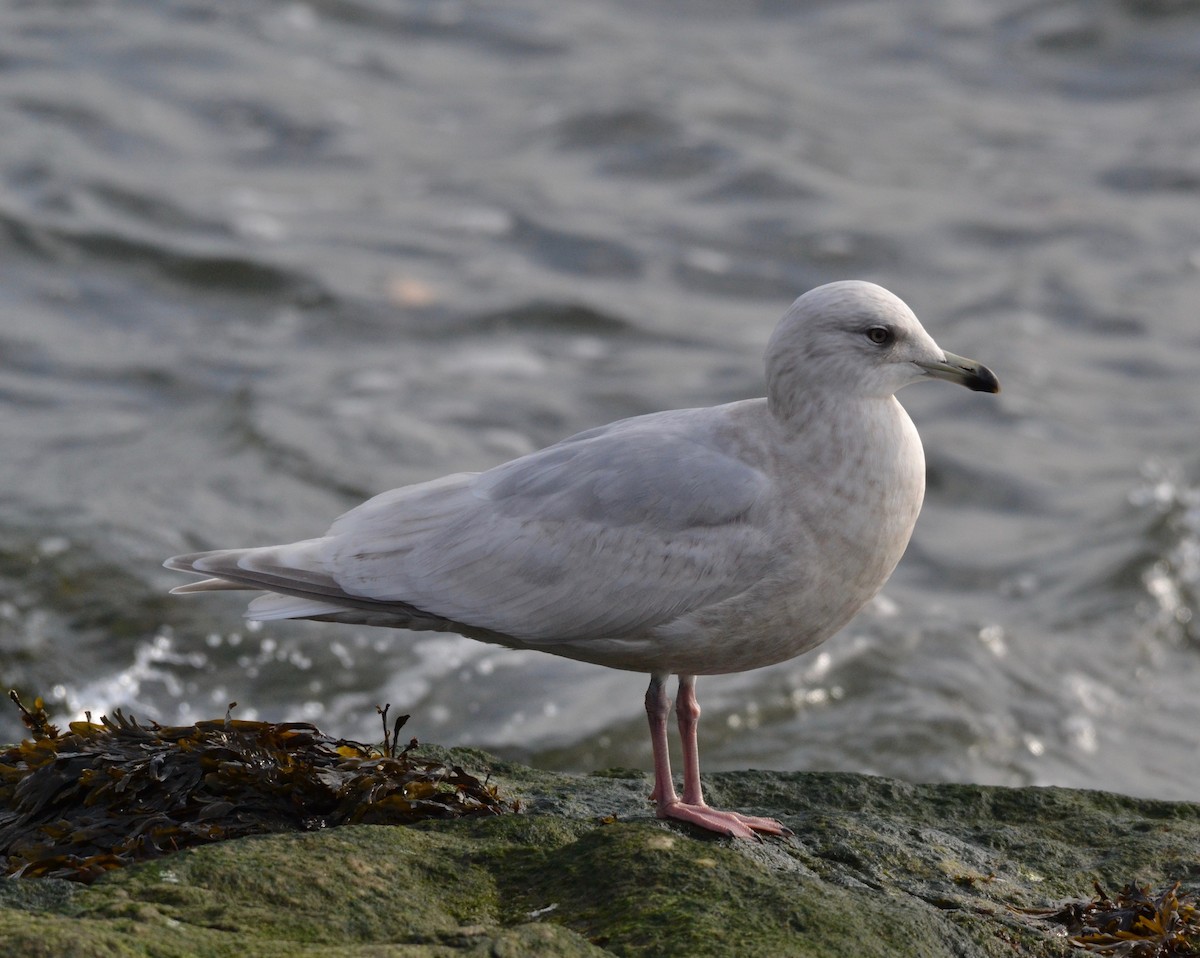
(984, 381)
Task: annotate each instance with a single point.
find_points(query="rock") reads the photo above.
(876, 868)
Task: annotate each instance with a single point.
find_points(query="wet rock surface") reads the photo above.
(876, 867)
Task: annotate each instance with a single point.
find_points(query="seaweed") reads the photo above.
(105, 794)
(1137, 923)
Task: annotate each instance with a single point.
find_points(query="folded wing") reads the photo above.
(606, 534)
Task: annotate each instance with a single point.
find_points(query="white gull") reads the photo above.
(689, 542)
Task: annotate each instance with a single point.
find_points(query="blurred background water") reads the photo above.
(259, 261)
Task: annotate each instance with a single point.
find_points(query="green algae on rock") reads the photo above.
(876, 868)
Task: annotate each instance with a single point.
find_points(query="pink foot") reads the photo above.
(691, 808)
(724, 823)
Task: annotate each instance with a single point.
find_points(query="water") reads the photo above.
(259, 261)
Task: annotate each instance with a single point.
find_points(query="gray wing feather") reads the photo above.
(601, 535)
(605, 534)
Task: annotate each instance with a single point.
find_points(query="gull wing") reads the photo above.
(605, 534)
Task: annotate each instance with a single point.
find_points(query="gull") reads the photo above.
(687, 542)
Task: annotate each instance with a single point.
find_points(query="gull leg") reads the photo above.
(658, 707)
(687, 713)
(692, 808)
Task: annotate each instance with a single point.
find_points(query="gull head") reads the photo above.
(853, 339)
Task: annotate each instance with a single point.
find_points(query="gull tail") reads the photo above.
(295, 568)
(297, 587)
(291, 575)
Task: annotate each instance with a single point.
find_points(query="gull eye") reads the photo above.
(881, 335)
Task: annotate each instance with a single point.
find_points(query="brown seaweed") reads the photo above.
(1137, 923)
(108, 793)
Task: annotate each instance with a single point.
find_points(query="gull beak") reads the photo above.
(966, 372)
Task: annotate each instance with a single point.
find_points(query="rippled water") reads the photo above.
(259, 261)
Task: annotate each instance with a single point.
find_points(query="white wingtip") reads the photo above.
(270, 607)
(208, 585)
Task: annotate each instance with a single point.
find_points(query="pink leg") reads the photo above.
(692, 808)
(658, 707)
(687, 713)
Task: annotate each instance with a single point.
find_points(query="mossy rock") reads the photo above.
(876, 867)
